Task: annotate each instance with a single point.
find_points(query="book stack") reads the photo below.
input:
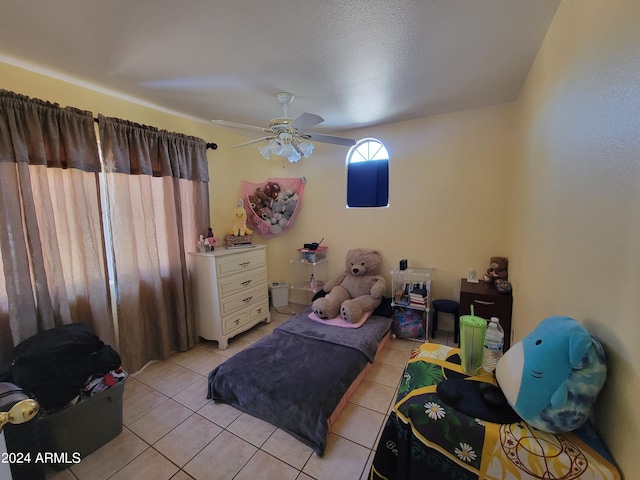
(418, 297)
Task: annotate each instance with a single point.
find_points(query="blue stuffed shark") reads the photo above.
(552, 377)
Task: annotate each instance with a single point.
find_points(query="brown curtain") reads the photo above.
(157, 184)
(53, 269)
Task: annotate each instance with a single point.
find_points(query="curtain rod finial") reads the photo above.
(212, 146)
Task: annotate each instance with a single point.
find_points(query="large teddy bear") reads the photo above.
(357, 290)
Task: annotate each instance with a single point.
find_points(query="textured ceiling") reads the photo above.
(354, 62)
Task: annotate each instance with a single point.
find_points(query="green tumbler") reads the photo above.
(472, 331)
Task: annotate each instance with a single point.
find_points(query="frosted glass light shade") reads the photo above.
(265, 151)
(306, 148)
(287, 150)
(294, 157)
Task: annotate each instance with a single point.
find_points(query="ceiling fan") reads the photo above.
(288, 137)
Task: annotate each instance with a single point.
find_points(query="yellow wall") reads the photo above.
(449, 184)
(575, 227)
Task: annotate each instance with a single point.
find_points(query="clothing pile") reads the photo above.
(56, 365)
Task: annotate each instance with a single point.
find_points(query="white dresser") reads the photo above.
(230, 292)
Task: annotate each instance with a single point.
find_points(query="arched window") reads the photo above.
(368, 174)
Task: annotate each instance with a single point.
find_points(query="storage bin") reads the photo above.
(76, 431)
(279, 294)
(313, 256)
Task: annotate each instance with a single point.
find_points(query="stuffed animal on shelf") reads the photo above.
(356, 291)
(497, 269)
(552, 377)
(239, 227)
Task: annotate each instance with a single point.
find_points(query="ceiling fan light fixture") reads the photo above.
(265, 151)
(287, 150)
(294, 157)
(286, 137)
(275, 146)
(306, 149)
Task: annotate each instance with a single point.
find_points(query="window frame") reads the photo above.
(368, 172)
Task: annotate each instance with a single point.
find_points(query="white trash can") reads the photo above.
(279, 294)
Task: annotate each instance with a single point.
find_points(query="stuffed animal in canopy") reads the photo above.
(357, 290)
(552, 377)
(272, 190)
(239, 227)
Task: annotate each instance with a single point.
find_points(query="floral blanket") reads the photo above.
(426, 438)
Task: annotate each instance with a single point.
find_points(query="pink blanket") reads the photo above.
(339, 321)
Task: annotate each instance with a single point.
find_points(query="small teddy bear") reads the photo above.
(357, 290)
(497, 269)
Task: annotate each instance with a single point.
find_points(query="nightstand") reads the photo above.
(487, 302)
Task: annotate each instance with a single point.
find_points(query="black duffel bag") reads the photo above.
(55, 364)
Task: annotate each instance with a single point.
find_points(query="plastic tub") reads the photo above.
(279, 294)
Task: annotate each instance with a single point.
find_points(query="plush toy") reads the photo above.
(264, 200)
(497, 269)
(357, 290)
(272, 190)
(239, 227)
(552, 377)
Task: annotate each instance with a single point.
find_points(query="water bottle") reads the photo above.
(312, 281)
(493, 342)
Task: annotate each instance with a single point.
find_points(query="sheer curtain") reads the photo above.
(53, 269)
(157, 186)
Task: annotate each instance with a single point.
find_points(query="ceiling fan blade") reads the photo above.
(307, 121)
(253, 141)
(316, 137)
(224, 123)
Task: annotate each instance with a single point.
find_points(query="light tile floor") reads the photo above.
(171, 431)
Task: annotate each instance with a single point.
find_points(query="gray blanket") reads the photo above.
(295, 378)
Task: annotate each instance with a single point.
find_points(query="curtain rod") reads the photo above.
(210, 146)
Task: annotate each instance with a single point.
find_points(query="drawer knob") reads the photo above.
(248, 299)
(246, 282)
(483, 302)
(245, 264)
(260, 310)
(237, 321)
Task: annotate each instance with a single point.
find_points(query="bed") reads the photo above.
(300, 376)
(427, 439)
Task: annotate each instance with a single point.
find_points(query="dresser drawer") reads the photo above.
(259, 310)
(245, 299)
(240, 263)
(487, 306)
(241, 282)
(235, 321)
